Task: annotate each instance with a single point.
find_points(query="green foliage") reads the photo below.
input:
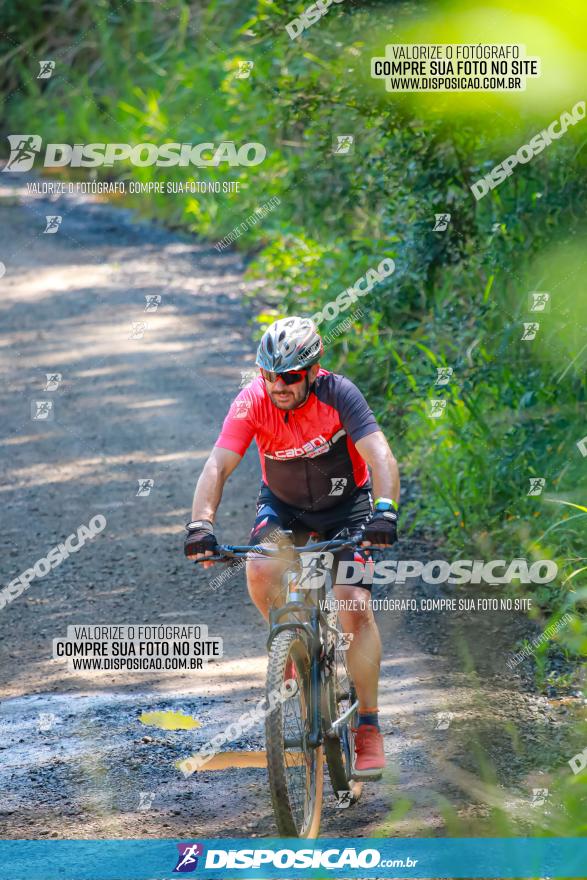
(514, 409)
(166, 72)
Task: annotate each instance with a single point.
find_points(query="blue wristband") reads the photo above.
(386, 504)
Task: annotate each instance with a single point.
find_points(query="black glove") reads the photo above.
(382, 528)
(200, 538)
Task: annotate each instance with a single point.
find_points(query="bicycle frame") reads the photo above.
(311, 627)
(303, 643)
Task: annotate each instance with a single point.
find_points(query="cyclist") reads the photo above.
(317, 439)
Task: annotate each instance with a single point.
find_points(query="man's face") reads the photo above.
(289, 396)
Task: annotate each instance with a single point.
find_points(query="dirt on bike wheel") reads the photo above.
(296, 771)
(338, 696)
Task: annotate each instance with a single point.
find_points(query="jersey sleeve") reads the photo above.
(238, 428)
(355, 414)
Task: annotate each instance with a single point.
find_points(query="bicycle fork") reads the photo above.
(311, 629)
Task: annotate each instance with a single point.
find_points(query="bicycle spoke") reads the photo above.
(341, 708)
(298, 763)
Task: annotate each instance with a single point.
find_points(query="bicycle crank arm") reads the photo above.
(333, 731)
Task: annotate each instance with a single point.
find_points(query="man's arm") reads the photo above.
(360, 424)
(217, 470)
(375, 450)
(200, 541)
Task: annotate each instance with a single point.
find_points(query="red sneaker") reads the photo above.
(369, 757)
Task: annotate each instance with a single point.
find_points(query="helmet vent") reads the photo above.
(289, 344)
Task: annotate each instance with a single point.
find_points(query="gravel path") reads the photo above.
(75, 759)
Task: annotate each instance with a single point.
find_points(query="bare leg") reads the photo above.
(364, 654)
(264, 583)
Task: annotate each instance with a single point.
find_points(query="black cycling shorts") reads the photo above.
(272, 513)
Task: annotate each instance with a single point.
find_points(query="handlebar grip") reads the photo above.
(212, 559)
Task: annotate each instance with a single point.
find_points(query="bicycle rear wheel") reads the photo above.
(338, 698)
(296, 771)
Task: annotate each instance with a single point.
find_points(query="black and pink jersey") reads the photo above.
(308, 455)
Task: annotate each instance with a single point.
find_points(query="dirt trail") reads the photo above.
(75, 760)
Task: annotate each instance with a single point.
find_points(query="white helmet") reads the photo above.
(289, 344)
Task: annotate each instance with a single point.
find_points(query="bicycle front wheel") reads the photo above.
(296, 771)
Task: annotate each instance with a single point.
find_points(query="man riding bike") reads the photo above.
(317, 439)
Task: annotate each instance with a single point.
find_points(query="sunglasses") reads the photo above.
(290, 378)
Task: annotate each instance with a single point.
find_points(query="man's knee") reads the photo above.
(356, 613)
(262, 569)
(256, 569)
(264, 583)
(356, 621)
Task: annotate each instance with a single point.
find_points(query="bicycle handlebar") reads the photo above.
(226, 552)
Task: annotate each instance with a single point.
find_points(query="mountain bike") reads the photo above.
(313, 707)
